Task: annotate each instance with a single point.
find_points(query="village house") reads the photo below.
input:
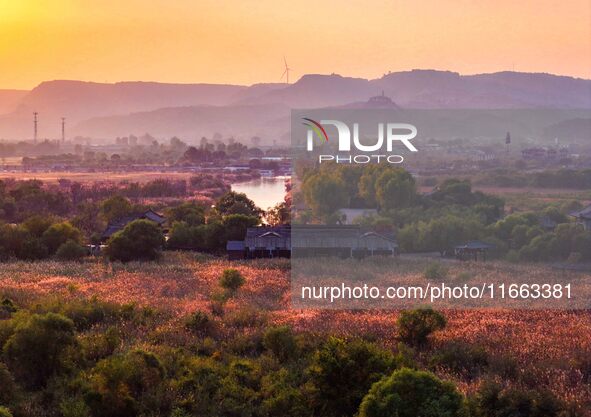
(583, 217)
(473, 249)
(311, 240)
(119, 224)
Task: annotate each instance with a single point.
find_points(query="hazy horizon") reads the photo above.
(291, 81)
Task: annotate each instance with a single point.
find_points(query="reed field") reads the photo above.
(546, 349)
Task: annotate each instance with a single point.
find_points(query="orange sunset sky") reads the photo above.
(243, 42)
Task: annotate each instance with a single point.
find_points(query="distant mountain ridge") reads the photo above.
(9, 99)
(89, 107)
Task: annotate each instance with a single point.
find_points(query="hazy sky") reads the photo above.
(243, 42)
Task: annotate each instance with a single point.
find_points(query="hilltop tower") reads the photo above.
(35, 127)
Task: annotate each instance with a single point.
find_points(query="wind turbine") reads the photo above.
(286, 71)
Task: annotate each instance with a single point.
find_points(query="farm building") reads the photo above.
(120, 223)
(311, 240)
(583, 217)
(472, 250)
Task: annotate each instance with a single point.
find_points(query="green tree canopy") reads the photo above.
(58, 234)
(115, 207)
(139, 240)
(36, 349)
(325, 193)
(342, 372)
(188, 212)
(410, 393)
(237, 203)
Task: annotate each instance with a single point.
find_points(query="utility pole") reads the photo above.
(508, 141)
(35, 127)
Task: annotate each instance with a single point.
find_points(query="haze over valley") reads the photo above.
(190, 111)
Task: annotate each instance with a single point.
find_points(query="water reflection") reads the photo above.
(265, 192)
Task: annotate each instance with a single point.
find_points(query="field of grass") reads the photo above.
(530, 198)
(542, 349)
(89, 177)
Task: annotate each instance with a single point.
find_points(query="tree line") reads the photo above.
(451, 214)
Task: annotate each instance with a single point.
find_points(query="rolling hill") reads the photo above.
(104, 110)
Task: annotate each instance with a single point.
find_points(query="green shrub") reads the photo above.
(436, 271)
(8, 390)
(342, 373)
(32, 249)
(127, 386)
(245, 344)
(415, 326)
(5, 412)
(199, 385)
(7, 307)
(232, 279)
(74, 407)
(58, 234)
(410, 393)
(239, 396)
(199, 323)
(281, 341)
(492, 400)
(139, 240)
(282, 397)
(71, 251)
(86, 313)
(36, 350)
(461, 358)
(247, 317)
(101, 345)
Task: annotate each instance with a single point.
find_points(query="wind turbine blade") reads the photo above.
(282, 75)
(285, 61)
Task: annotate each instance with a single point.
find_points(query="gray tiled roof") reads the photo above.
(585, 213)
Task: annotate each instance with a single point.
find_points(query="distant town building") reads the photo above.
(544, 153)
(381, 102)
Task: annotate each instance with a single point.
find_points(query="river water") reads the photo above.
(265, 192)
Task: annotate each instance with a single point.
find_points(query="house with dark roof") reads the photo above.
(119, 224)
(472, 249)
(312, 240)
(583, 217)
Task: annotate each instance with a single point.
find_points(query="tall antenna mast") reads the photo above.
(35, 127)
(63, 129)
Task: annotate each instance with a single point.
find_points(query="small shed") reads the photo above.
(472, 250)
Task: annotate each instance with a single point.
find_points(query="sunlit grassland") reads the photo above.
(549, 348)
